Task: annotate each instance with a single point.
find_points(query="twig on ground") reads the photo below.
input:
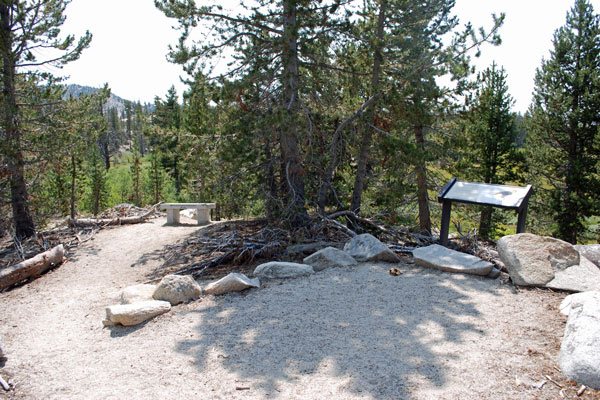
(4, 384)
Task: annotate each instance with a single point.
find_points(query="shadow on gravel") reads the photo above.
(370, 337)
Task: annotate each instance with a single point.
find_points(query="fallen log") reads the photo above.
(32, 267)
(87, 222)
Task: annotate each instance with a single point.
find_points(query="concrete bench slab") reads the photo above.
(203, 211)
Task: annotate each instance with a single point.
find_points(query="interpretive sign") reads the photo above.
(503, 196)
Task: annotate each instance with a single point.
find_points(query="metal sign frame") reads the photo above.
(494, 192)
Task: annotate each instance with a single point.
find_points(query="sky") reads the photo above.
(131, 39)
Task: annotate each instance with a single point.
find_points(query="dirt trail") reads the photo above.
(339, 334)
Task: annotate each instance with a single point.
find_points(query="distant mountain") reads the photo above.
(114, 101)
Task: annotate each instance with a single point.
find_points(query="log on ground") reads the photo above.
(32, 267)
(86, 222)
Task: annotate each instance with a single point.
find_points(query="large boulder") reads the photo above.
(134, 314)
(439, 257)
(590, 251)
(367, 247)
(579, 357)
(137, 293)
(533, 260)
(177, 289)
(279, 269)
(233, 282)
(329, 257)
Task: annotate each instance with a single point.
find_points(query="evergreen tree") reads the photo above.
(168, 118)
(491, 137)
(274, 43)
(97, 191)
(563, 122)
(25, 27)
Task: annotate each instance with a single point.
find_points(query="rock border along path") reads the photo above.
(343, 333)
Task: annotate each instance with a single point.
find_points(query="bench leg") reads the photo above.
(203, 216)
(172, 216)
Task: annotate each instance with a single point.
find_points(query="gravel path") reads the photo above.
(355, 333)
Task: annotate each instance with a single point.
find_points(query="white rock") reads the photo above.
(579, 356)
(134, 314)
(190, 213)
(533, 260)
(576, 300)
(329, 257)
(233, 282)
(137, 293)
(590, 251)
(439, 257)
(367, 247)
(177, 289)
(579, 278)
(279, 269)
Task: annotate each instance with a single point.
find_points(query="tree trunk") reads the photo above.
(11, 143)
(290, 152)
(32, 267)
(328, 174)
(422, 194)
(271, 208)
(360, 181)
(485, 222)
(73, 176)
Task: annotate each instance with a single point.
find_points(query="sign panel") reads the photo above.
(483, 193)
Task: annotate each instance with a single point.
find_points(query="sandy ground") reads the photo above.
(355, 333)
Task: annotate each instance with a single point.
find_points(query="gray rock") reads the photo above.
(137, 293)
(494, 273)
(577, 300)
(579, 356)
(279, 269)
(2, 355)
(579, 278)
(134, 314)
(439, 257)
(590, 251)
(177, 289)
(533, 260)
(307, 248)
(329, 257)
(233, 282)
(367, 247)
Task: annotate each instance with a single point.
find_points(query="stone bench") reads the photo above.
(202, 209)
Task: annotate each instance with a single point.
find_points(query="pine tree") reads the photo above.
(491, 137)
(97, 191)
(26, 26)
(563, 122)
(274, 43)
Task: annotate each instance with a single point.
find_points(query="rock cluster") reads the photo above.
(533, 260)
(142, 302)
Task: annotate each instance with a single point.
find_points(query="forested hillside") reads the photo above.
(325, 106)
